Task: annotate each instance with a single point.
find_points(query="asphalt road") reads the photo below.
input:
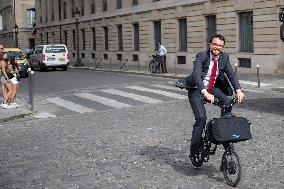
(141, 146)
(69, 86)
(58, 81)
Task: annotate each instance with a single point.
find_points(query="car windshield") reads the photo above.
(55, 49)
(17, 54)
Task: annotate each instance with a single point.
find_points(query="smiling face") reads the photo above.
(216, 46)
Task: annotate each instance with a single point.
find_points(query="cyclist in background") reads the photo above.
(163, 57)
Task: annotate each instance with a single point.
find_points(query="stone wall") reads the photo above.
(267, 51)
(7, 35)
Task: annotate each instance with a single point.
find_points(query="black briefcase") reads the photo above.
(229, 129)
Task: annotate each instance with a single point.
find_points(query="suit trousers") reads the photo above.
(163, 61)
(196, 100)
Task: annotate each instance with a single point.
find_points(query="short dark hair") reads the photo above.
(219, 36)
(13, 62)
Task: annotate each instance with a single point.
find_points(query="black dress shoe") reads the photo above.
(195, 161)
(194, 156)
(221, 168)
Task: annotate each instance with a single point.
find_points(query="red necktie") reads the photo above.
(213, 75)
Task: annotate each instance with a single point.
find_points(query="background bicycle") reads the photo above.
(155, 65)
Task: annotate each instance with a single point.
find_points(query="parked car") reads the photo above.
(49, 56)
(20, 60)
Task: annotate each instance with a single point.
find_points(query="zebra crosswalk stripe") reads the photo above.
(134, 96)
(253, 83)
(164, 93)
(103, 100)
(69, 105)
(252, 90)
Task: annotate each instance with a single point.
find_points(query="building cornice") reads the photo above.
(125, 11)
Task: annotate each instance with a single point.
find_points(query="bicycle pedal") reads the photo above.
(206, 160)
(213, 150)
(205, 157)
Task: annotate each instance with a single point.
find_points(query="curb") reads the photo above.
(132, 72)
(16, 117)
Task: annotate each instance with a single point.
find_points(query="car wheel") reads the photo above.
(26, 75)
(65, 68)
(41, 68)
(32, 68)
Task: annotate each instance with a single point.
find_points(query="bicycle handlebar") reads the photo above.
(153, 55)
(218, 103)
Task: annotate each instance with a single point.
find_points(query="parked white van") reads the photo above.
(49, 56)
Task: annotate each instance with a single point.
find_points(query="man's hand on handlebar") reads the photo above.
(209, 97)
(239, 95)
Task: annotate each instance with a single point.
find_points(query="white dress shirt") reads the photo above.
(162, 50)
(206, 80)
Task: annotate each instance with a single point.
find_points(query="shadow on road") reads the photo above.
(179, 161)
(265, 105)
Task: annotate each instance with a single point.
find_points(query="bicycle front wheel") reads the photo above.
(231, 167)
(152, 67)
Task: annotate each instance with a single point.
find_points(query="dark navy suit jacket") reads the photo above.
(201, 67)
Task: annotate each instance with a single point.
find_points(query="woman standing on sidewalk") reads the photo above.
(14, 69)
(5, 79)
(2, 84)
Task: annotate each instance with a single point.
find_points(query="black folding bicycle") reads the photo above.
(231, 163)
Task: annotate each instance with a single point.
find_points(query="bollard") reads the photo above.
(89, 62)
(161, 68)
(110, 64)
(29, 84)
(138, 66)
(236, 68)
(258, 78)
(175, 67)
(31, 89)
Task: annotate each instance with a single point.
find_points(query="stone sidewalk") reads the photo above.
(12, 114)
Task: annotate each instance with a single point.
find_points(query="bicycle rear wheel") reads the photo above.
(231, 167)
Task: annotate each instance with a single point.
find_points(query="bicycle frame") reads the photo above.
(229, 167)
(206, 145)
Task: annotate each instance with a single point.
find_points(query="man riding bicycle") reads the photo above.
(208, 81)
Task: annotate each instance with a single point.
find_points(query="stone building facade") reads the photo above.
(22, 14)
(120, 29)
